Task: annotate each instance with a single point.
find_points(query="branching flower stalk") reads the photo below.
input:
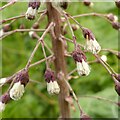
(57, 80)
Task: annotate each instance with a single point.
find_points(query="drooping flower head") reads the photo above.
(52, 85)
(4, 99)
(83, 68)
(32, 10)
(20, 81)
(91, 44)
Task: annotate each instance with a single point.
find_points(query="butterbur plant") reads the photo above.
(58, 52)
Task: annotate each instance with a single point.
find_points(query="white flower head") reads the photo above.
(91, 44)
(83, 68)
(31, 13)
(2, 106)
(3, 81)
(104, 58)
(53, 87)
(16, 92)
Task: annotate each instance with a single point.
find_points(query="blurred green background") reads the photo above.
(36, 102)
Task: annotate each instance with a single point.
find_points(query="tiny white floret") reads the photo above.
(17, 91)
(83, 68)
(92, 46)
(31, 12)
(53, 87)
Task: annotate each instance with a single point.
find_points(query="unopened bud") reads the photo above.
(116, 25)
(75, 27)
(6, 28)
(35, 26)
(23, 77)
(4, 99)
(64, 5)
(117, 2)
(22, 26)
(87, 3)
(112, 18)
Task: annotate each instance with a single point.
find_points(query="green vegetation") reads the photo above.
(36, 102)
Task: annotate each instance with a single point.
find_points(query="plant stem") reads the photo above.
(60, 64)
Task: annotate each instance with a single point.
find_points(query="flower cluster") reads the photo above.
(80, 59)
(3, 101)
(32, 10)
(20, 81)
(52, 85)
(91, 44)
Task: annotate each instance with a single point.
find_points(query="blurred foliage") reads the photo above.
(36, 103)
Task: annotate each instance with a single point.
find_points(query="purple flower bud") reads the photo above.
(35, 25)
(112, 17)
(49, 75)
(34, 5)
(118, 55)
(117, 2)
(88, 33)
(78, 56)
(87, 2)
(23, 77)
(6, 28)
(64, 5)
(5, 98)
(116, 25)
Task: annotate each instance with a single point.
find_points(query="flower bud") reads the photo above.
(112, 18)
(22, 26)
(87, 3)
(82, 66)
(64, 5)
(116, 25)
(75, 27)
(4, 99)
(117, 2)
(6, 28)
(52, 85)
(35, 26)
(20, 81)
(32, 10)
(91, 44)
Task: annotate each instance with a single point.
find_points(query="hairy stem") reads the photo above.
(60, 64)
